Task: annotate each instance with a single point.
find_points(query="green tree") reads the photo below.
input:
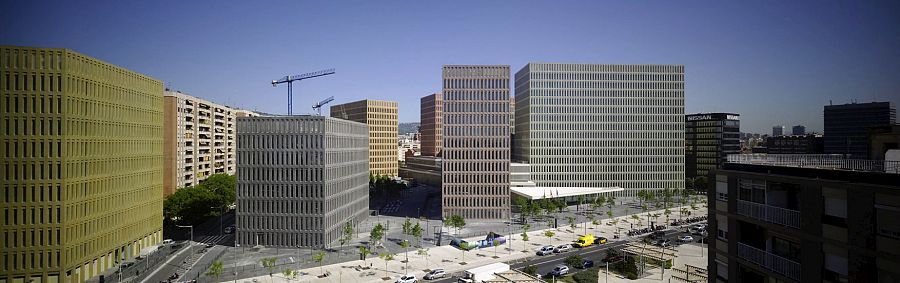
(524, 209)
(386, 257)
(574, 260)
(269, 264)
(407, 227)
(530, 270)
(496, 243)
(288, 274)
(571, 221)
(364, 252)
(549, 234)
(190, 205)
(318, 258)
(405, 246)
(417, 232)
(700, 184)
(348, 234)
(525, 236)
(215, 269)
(580, 202)
(456, 221)
(376, 234)
(223, 186)
(561, 205)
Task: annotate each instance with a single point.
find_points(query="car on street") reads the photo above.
(409, 278)
(559, 270)
(686, 239)
(587, 263)
(663, 242)
(562, 248)
(210, 245)
(545, 250)
(600, 240)
(434, 274)
(229, 229)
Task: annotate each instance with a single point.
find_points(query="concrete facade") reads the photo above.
(709, 139)
(199, 140)
(592, 125)
(381, 117)
(83, 164)
(783, 223)
(300, 179)
(476, 146)
(430, 125)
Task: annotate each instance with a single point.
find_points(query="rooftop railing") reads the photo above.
(820, 161)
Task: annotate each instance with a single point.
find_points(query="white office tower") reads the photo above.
(476, 146)
(589, 125)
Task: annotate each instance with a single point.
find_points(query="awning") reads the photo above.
(558, 192)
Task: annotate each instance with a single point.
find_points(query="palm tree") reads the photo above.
(386, 257)
(215, 269)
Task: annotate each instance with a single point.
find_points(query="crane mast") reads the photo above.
(290, 82)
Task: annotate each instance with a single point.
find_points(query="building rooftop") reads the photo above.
(818, 166)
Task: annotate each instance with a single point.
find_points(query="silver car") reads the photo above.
(434, 274)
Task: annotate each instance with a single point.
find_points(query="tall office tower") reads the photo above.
(82, 169)
(846, 126)
(798, 130)
(709, 139)
(777, 131)
(300, 179)
(592, 125)
(199, 140)
(804, 218)
(430, 126)
(381, 116)
(475, 165)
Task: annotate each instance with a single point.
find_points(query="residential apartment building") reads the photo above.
(709, 139)
(381, 117)
(82, 165)
(595, 125)
(199, 140)
(300, 179)
(804, 144)
(804, 218)
(476, 147)
(430, 126)
(846, 126)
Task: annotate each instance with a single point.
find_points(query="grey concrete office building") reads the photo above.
(476, 145)
(593, 125)
(847, 126)
(300, 179)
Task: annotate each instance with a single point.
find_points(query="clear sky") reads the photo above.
(773, 62)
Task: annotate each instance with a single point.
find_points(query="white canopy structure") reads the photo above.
(534, 193)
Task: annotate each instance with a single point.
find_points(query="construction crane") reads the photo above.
(290, 81)
(318, 106)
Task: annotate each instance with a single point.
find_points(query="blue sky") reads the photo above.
(773, 62)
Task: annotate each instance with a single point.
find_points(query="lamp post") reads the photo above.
(235, 261)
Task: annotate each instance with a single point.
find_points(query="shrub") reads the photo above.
(587, 276)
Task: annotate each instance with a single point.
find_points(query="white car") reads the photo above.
(434, 274)
(560, 270)
(562, 248)
(545, 250)
(409, 278)
(686, 239)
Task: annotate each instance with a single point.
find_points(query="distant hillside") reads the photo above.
(406, 128)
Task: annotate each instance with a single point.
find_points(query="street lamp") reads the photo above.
(234, 257)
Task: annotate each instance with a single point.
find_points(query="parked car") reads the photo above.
(587, 263)
(545, 250)
(663, 242)
(434, 274)
(600, 240)
(686, 239)
(562, 248)
(210, 245)
(229, 230)
(409, 278)
(560, 270)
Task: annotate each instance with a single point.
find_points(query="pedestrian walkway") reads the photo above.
(450, 258)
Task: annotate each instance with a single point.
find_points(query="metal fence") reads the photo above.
(770, 261)
(822, 161)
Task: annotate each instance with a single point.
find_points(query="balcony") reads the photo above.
(769, 213)
(780, 265)
(820, 161)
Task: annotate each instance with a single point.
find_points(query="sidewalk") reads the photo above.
(450, 258)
